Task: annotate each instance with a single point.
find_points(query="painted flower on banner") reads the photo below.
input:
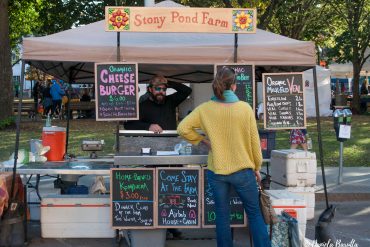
(119, 19)
(243, 20)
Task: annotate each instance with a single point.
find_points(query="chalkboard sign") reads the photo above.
(245, 89)
(116, 91)
(283, 95)
(178, 192)
(132, 198)
(237, 215)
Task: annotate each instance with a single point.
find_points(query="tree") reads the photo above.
(354, 41)
(6, 92)
(17, 18)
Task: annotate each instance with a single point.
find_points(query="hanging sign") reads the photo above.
(116, 91)
(181, 20)
(284, 101)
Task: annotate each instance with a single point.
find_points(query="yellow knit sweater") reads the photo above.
(232, 131)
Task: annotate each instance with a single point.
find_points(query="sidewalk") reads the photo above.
(352, 219)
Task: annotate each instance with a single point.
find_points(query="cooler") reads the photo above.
(307, 192)
(34, 201)
(55, 137)
(76, 216)
(293, 167)
(293, 204)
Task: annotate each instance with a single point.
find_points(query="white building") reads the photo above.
(17, 68)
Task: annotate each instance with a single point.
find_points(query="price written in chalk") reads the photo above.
(132, 193)
(284, 104)
(117, 91)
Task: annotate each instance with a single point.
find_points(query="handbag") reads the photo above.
(267, 210)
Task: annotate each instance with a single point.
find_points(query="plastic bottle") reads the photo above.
(48, 121)
(188, 148)
(309, 142)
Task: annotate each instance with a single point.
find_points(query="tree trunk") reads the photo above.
(6, 92)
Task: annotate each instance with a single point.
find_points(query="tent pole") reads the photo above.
(17, 135)
(118, 60)
(68, 117)
(235, 48)
(319, 135)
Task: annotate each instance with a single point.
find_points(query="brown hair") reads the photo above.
(158, 80)
(225, 77)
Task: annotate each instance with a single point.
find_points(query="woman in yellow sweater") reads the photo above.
(234, 157)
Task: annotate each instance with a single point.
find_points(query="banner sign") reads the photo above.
(181, 20)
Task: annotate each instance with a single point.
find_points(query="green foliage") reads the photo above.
(202, 4)
(23, 19)
(7, 122)
(353, 42)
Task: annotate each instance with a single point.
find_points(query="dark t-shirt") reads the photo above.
(162, 114)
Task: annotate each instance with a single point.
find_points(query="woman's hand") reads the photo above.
(207, 143)
(258, 177)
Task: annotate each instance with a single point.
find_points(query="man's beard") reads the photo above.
(159, 98)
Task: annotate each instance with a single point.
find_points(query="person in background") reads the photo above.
(36, 91)
(85, 98)
(158, 111)
(234, 158)
(298, 137)
(260, 111)
(56, 94)
(364, 88)
(16, 88)
(47, 101)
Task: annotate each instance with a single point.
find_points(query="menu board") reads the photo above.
(116, 86)
(237, 215)
(132, 198)
(178, 193)
(284, 101)
(245, 89)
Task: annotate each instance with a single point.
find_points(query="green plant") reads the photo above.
(7, 122)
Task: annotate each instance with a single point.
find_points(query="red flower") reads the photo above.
(118, 19)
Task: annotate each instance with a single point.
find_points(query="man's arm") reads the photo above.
(182, 92)
(136, 125)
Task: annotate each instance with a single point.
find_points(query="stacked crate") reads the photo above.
(295, 171)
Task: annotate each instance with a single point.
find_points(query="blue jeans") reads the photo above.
(244, 183)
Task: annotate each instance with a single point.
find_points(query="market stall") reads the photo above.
(182, 57)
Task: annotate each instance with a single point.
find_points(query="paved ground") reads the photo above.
(351, 222)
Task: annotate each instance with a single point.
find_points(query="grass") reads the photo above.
(356, 149)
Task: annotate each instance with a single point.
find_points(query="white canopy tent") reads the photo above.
(345, 70)
(70, 55)
(324, 92)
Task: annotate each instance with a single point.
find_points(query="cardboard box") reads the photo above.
(293, 167)
(76, 216)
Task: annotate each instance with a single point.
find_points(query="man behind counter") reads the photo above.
(158, 111)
